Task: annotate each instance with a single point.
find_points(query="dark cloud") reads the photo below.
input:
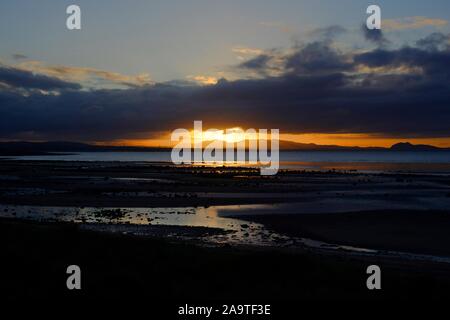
(317, 57)
(431, 62)
(259, 64)
(28, 80)
(318, 90)
(374, 35)
(434, 41)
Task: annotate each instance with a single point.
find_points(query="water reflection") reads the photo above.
(238, 231)
(138, 220)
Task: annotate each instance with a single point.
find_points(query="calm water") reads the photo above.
(286, 157)
(430, 161)
(135, 220)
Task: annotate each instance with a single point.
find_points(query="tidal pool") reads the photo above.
(142, 221)
(237, 231)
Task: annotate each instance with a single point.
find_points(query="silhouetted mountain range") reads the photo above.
(38, 148)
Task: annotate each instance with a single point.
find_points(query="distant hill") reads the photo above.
(39, 148)
(295, 146)
(402, 146)
(42, 148)
(406, 146)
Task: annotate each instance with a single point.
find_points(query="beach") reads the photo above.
(420, 232)
(306, 233)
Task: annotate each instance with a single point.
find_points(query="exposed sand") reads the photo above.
(133, 185)
(116, 184)
(159, 266)
(420, 232)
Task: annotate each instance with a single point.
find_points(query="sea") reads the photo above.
(386, 160)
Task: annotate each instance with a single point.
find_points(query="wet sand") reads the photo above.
(419, 232)
(337, 207)
(119, 184)
(401, 210)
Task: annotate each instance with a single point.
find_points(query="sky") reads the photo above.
(139, 69)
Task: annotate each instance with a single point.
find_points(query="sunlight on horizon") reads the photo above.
(234, 136)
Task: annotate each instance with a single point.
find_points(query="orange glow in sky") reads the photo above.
(234, 135)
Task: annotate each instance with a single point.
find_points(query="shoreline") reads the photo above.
(324, 206)
(179, 262)
(379, 166)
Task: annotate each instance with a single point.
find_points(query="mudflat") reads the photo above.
(420, 232)
(386, 211)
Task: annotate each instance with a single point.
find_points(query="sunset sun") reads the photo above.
(230, 135)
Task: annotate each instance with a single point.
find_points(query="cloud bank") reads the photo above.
(310, 88)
